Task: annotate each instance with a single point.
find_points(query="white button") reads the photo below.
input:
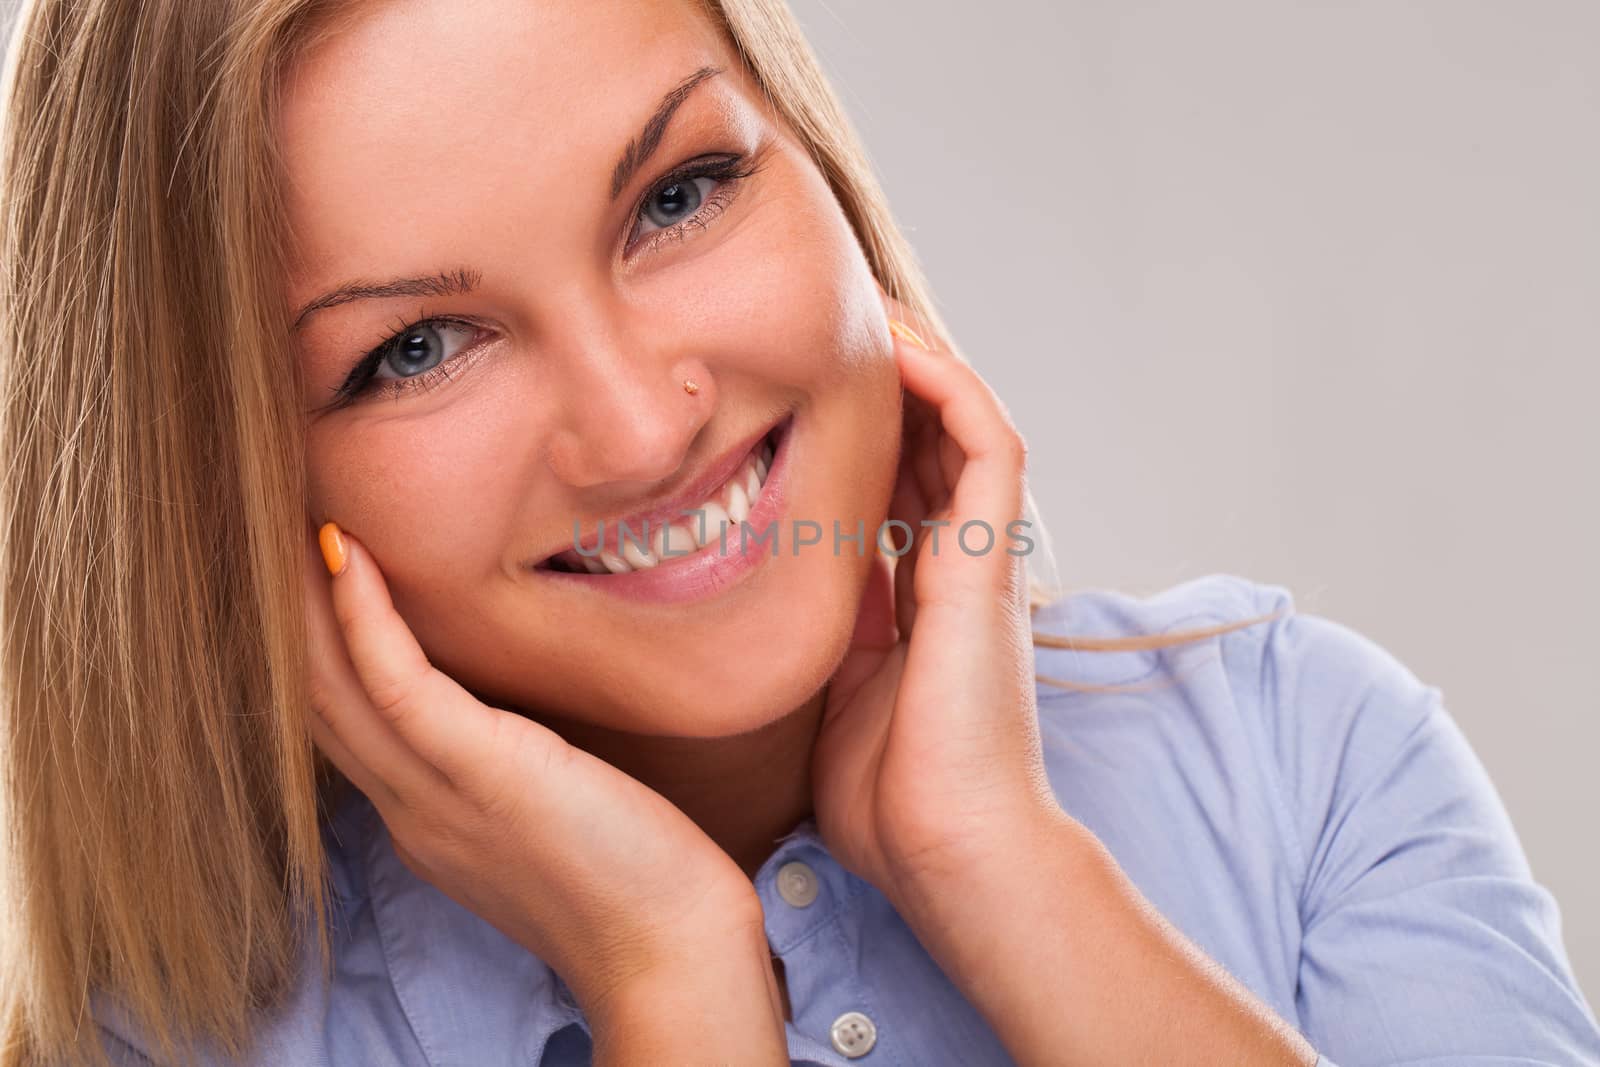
(853, 1034)
(797, 884)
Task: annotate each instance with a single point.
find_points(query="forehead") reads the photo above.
(419, 113)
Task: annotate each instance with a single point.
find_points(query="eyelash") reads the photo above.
(729, 171)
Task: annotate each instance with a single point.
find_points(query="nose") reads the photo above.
(626, 415)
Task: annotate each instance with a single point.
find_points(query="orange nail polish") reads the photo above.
(333, 550)
(900, 329)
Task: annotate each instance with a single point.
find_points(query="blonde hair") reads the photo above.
(160, 796)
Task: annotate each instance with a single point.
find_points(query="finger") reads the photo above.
(975, 420)
(344, 725)
(439, 720)
(951, 460)
(935, 459)
(992, 453)
(939, 459)
(926, 462)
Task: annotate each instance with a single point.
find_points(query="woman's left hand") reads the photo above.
(928, 759)
(928, 780)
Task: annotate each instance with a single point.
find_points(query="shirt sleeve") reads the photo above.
(1425, 939)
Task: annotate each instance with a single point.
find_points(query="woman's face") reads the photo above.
(501, 156)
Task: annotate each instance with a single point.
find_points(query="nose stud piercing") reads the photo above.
(691, 386)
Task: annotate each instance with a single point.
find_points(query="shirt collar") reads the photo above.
(455, 975)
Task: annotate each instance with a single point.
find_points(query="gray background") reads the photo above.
(1302, 291)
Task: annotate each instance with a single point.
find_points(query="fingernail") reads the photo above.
(333, 548)
(900, 329)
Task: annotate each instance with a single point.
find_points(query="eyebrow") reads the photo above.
(643, 146)
(462, 280)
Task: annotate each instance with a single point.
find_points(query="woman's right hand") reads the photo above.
(586, 867)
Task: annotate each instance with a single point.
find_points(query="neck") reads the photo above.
(745, 791)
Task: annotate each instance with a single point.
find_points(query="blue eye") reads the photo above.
(417, 355)
(676, 203)
(420, 348)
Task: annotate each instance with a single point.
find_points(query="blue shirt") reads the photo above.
(1289, 795)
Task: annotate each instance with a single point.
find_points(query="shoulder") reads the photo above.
(1217, 595)
(1299, 723)
(1097, 612)
(1292, 677)
(1302, 711)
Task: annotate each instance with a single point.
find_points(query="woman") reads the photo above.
(336, 734)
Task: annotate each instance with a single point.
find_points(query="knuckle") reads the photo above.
(346, 613)
(497, 805)
(532, 746)
(394, 694)
(1019, 446)
(390, 698)
(1011, 445)
(502, 799)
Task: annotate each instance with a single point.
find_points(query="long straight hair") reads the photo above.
(160, 796)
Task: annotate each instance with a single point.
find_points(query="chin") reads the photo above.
(766, 663)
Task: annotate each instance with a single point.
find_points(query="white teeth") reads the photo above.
(679, 537)
(738, 503)
(635, 555)
(715, 519)
(682, 536)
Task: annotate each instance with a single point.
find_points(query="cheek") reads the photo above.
(790, 300)
(803, 312)
(424, 502)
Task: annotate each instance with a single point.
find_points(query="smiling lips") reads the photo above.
(646, 541)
